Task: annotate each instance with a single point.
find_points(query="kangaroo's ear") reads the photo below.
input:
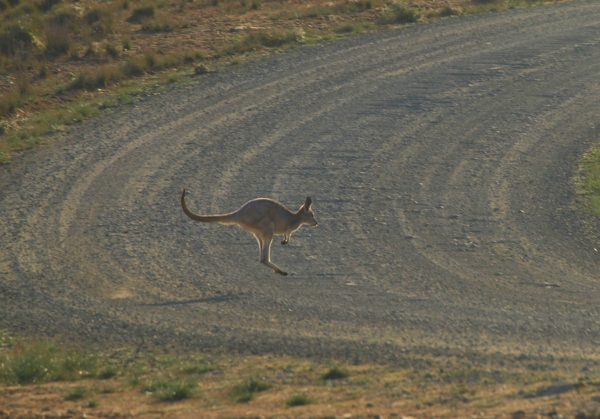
(307, 203)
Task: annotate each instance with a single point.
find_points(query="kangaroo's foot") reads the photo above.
(275, 268)
(285, 241)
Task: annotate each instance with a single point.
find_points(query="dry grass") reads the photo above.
(56, 55)
(126, 382)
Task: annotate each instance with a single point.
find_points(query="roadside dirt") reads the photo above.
(439, 158)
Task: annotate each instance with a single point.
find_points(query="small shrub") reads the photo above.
(93, 16)
(66, 20)
(40, 361)
(201, 69)
(83, 81)
(92, 404)
(3, 6)
(58, 41)
(191, 56)
(102, 79)
(28, 364)
(112, 51)
(47, 5)
(14, 39)
(14, 3)
(336, 373)
(24, 87)
(73, 364)
(348, 28)
(127, 44)
(43, 72)
(256, 5)
(299, 400)
(141, 13)
(84, 111)
(244, 392)
(170, 390)
(134, 68)
(17, 97)
(399, 13)
(107, 372)
(449, 11)
(198, 369)
(100, 21)
(76, 393)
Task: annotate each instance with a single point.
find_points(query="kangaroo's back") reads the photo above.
(265, 210)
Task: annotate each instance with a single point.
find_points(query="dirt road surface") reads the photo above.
(440, 160)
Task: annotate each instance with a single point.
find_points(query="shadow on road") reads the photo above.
(216, 299)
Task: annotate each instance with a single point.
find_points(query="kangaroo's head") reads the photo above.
(307, 214)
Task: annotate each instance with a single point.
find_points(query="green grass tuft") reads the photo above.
(77, 393)
(301, 399)
(170, 389)
(108, 372)
(244, 392)
(336, 373)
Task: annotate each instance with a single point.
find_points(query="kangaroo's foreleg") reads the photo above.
(265, 253)
(286, 238)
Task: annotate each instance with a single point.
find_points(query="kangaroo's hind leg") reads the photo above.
(264, 242)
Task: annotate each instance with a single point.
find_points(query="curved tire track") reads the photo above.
(439, 158)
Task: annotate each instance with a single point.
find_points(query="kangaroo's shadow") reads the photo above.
(207, 300)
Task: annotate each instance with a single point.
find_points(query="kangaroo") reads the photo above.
(264, 218)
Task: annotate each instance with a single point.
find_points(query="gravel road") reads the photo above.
(440, 159)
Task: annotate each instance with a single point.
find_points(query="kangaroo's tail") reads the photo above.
(225, 218)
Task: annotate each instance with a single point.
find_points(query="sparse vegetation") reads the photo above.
(123, 378)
